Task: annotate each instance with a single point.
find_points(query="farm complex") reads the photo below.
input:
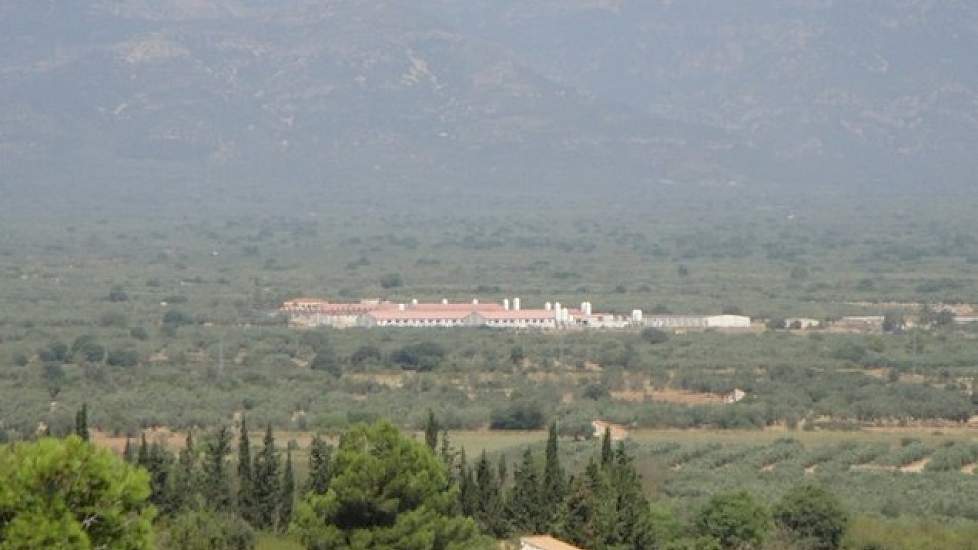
(506, 314)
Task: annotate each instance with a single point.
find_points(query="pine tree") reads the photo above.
(320, 466)
(81, 422)
(553, 478)
(606, 453)
(217, 490)
(287, 498)
(246, 496)
(524, 506)
(266, 482)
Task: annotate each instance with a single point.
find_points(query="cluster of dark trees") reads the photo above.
(421, 356)
(200, 495)
(604, 507)
(377, 489)
(261, 489)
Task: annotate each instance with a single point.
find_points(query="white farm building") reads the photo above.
(697, 321)
(508, 314)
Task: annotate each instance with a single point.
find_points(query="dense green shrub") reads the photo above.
(814, 516)
(518, 415)
(734, 519)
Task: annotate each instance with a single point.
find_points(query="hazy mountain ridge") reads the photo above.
(867, 85)
(453, 93)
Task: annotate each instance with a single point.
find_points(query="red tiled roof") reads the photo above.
(517, 314)
(456, 307)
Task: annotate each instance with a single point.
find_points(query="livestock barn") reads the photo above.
(310, 313)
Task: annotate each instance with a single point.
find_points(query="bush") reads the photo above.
(734, 519)
(113, 319)
(520, 415)
(207, 530)
(365, 354)
(391, 280)
(177, 318)
(86, 348)
(56, 352)
(326, 360)
(654, 336)
(596, 392)
(814, 516)
(423, 356)
(123, 358)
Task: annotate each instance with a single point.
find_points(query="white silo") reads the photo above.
(506, 304)
(516, 304)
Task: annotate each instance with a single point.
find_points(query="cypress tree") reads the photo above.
(603, 505)
(447, 453)
(631, 506)
(128, 453)
(266, 482)
(606, 453)
(158, 463)
(501, 471)
(467, 489)
(184, 485)
(576, 523)
(524, 505)
(320, 466)
(81, 422)
(488, 508)
(553, 478)
(287, 498)
(431, 431)
(217, 490)
(142, 456)
(246, 497)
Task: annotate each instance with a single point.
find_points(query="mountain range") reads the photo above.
(500, 94)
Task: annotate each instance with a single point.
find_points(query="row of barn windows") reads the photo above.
(458, 322)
